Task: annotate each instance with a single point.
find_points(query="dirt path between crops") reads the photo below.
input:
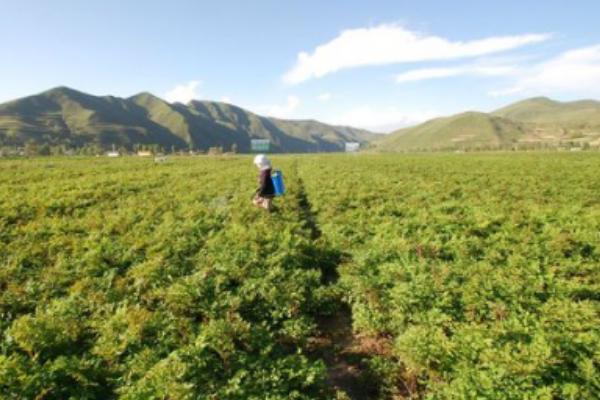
(345, 357)
(344, 354)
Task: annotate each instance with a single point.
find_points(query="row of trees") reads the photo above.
(563, 145)
(32, 148)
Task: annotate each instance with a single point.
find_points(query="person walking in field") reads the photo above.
(266, 190)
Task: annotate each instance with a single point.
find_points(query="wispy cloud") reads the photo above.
(389, 44)
(381, 119)
(464, 70)
(324, 97)
(575, 71)
(183, 93)
(285, 110)
(506, 92)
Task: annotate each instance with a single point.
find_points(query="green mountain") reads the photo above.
(63, 116)
(466, 130)
(542, 110)
(530, 123)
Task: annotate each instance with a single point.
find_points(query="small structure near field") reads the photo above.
(352, 147)
(113, 153)
(160, 159)
(260, 145)
(144, 153)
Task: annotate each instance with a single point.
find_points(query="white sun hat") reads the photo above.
(262, 162)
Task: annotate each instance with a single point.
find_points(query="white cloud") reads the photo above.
(506, 92)
(324, 97)
(575, 72)
(285, 110)
(388, 44)
(226, 99)
(381, 119)
(427, 73)
(435, 73)
(183, 93)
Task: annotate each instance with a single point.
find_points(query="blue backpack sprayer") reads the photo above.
(277, 178)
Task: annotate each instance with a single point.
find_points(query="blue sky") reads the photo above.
(376, 64)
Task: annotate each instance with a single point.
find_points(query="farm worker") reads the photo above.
(266, 191)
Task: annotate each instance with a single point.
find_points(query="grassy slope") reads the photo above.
(66, 116)
(536, 120)
(541, 110)
(463, 130)
(326, 137)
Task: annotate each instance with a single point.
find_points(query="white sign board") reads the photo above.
(352, 147)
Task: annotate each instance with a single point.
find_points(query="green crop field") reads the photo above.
(437, 276)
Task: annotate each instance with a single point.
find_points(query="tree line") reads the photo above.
(32, 148)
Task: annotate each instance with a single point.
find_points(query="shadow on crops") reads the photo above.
(335, 344)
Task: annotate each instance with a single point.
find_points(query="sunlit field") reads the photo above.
(463, 276)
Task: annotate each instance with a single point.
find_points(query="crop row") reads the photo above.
(479, 274)
(124, 279)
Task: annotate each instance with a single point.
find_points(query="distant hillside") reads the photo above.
(542, 110)
(533, 122)
(466, 130)
(63, 116)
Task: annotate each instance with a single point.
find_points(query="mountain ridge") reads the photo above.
(68, 117)
(534, 122)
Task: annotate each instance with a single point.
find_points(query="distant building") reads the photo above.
(144, 153)
(113, 154)
(352, 147)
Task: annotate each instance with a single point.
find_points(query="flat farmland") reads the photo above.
(440, 276)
